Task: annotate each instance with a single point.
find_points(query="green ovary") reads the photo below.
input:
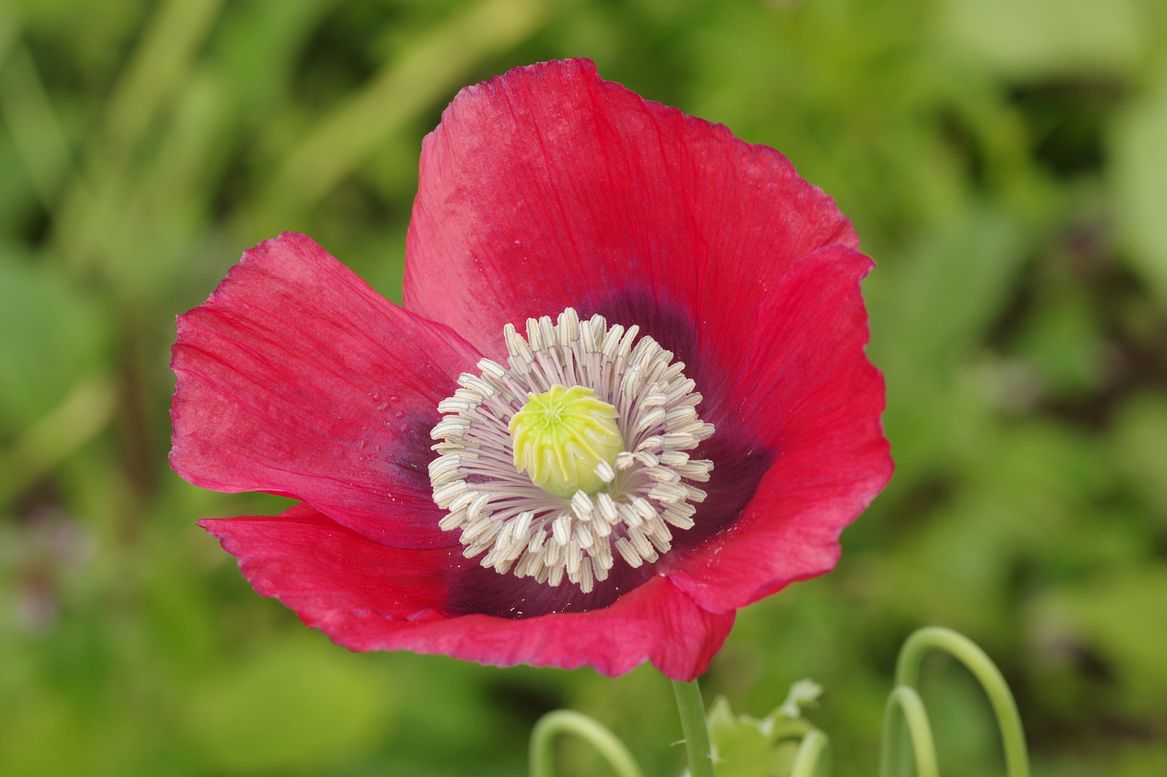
(561, 435)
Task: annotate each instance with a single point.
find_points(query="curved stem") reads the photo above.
(696, 730)
(987, 674)
(567, 722)
(806, 760)
(905, 701)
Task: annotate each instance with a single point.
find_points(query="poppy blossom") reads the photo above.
(626, 394)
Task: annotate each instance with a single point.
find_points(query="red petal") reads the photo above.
(296, 378)
(315, 565)
(816, 404)
(655, 622)
(549, 187)
(366, 596)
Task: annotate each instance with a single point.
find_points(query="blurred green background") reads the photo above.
(1005, 162)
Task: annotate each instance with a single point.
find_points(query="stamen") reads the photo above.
(572, 457)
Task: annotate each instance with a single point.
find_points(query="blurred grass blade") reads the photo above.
(421, 75)
(77, 420)
(90, 210)
(161, 61)
(36, 130)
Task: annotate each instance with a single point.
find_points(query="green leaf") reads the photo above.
(1138, 170)
(750, 747)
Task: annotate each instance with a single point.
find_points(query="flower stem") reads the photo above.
(598, 736)
(906, 702)
(986, 673)
(693, 725)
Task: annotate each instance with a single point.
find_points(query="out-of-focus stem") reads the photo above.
(983, 669)
(905, 702)
(567, 722)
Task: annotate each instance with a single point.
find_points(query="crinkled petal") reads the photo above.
(816, 408)
(655, 622)
(296, 378)
(548, 187)
(319, 567)
(366, 596)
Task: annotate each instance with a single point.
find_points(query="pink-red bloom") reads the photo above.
(544, 189)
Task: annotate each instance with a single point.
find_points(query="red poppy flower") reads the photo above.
(694, 333)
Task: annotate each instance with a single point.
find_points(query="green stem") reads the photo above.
(693, 725)
(806, 760)
(567, 722)
(986, 673)
(906, 702)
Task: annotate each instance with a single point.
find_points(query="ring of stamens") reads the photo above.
(521, 529)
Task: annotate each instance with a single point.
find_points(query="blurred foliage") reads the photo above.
(1005, 162)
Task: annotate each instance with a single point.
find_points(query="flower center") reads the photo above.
(574, 457)
(562, 436)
